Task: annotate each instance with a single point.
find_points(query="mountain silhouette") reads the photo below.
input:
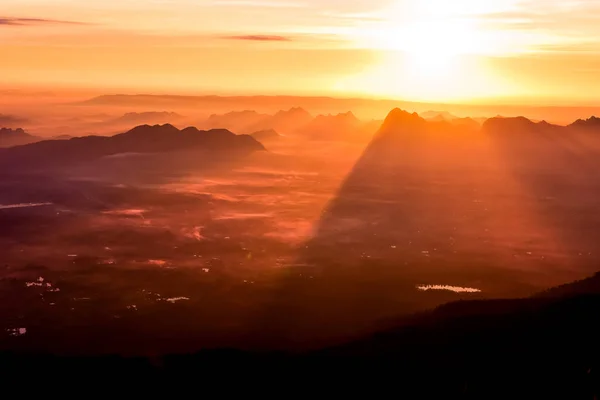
(522, 125)
(249, 121)
(237, 121)
(342, 126)
(401, 125)
(438, 115)
(287, 121)
(141, 139)
(467, 123)
(537, 347)
(534, 346)
(16, 137)
(400, 122)
(583, 287)
(519, 125)
(590, 124)
(268, 134)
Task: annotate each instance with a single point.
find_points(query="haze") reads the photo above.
(429, 50)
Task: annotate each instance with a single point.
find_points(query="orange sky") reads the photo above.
(431, 50)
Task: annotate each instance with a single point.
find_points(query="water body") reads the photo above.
(23, 205)
(456, 289)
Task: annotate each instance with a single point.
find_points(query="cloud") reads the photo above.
(264, 4)
(259, 38)
(10, 119)
(11, 21)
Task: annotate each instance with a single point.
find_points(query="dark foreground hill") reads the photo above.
(540, 347)
(143, 139)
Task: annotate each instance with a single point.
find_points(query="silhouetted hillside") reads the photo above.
(590, 124)
(343, 126)
(237, 121)
(250, 121)
(520, 125)
(402, 125)
(438, 115)
(586, 286)
(444, 116)
(526, 348)
(400, 122)
(288, 120)
(142, 139)
(467, 123)
(16, 137)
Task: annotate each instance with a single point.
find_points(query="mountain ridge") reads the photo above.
(16, 137)
(140, 139)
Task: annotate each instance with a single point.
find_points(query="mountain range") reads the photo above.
(16, 137)
(249, 121)
(560, 114)
(524, 125)
(347, 126)
(266, 135)
(297, 122)
(141, 139)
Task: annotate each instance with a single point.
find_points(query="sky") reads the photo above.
(545, 51)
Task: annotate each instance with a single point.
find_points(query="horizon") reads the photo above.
(33, 106)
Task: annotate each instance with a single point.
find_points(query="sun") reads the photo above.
(433, 48)
(432, 41)
(425, 53)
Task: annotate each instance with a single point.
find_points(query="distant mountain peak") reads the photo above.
(348, 116)
(9, 131)
(267, 134)
(503, 125)
(141, 139)
(294, 110)
(437, 115)
(519, 125)
(294, 115)
(592, 122)
(15, 137)
(398, 118)
(153, 129)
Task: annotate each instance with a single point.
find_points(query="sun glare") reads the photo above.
(434, 48)
(426, 52)
(433, 40)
